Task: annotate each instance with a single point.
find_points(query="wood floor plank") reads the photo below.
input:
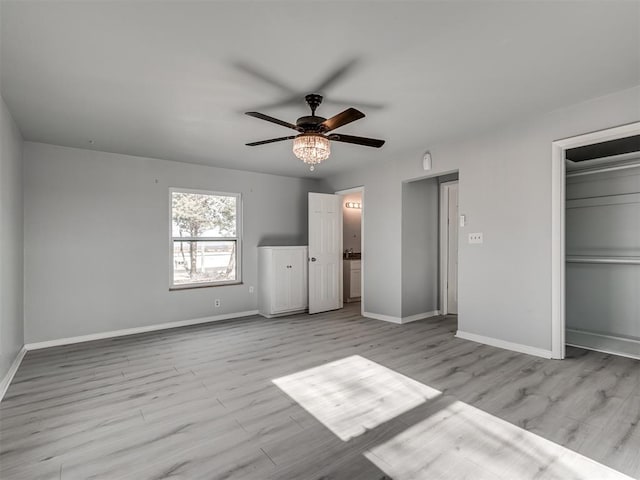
(201, 402)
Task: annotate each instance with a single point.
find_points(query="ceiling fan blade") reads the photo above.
(262, 116)
(335, 75)
(367, 142)
(348, 116)
(356, 104)
(293, 99)
(265, 77)
(262, 142)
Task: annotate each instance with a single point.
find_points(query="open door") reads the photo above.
(449, 246)
(452, 261)
(325, 252)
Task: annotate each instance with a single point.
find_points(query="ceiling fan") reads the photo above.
(311, 144)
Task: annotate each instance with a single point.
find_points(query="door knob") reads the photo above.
(313, 259)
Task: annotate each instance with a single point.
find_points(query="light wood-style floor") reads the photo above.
(201, 403)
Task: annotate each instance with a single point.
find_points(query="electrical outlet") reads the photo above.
(475, 237)
(251, 289)
(216, 303)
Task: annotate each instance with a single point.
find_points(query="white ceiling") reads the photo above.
(171, 80)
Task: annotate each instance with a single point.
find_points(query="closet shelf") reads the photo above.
(606, 260)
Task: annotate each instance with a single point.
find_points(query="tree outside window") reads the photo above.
(205, 237)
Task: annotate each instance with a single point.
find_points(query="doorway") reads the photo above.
(427, 263)
(559, 205)
(449, 247)
(602, 225)
(353, 245)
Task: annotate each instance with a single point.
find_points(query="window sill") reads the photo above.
(201, 285)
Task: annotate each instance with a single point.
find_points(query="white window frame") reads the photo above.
(237, 238)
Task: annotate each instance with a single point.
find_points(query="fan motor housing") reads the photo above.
(310, 123)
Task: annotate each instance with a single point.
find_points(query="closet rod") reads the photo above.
(602, 170)
(607, 260)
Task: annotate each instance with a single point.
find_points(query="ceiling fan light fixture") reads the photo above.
(312, 144)
(311, 148)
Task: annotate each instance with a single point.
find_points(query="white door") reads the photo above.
(290, 282)
(452, 250)
(297, 278)
(325, 252)
(282, 281)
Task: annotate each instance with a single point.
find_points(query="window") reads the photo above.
(205, 238)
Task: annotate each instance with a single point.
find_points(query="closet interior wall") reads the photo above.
(603, 260)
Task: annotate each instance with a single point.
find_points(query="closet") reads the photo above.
(602, 226)
(282, 280)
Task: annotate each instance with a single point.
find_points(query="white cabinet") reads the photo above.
(282, 280)
(351, 280)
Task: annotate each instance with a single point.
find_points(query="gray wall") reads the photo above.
(97, 239)
(420, 247)
(11, 276)
(505, 191)
(603, 219)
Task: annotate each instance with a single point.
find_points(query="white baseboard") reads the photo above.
(401, 320)
(385, 318)
(625, 347)
(495, 342)
(133, 331)
(420, 316)
(6, 381)
(285, 314)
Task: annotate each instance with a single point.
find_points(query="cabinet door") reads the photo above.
(298, 279)
(281, 280)
(355, 283)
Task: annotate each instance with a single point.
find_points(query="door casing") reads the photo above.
(558, 178)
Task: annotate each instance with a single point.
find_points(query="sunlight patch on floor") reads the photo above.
(354, 394)
(461, 441)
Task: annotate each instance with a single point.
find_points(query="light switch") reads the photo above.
(475, 237)
(463, 220)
